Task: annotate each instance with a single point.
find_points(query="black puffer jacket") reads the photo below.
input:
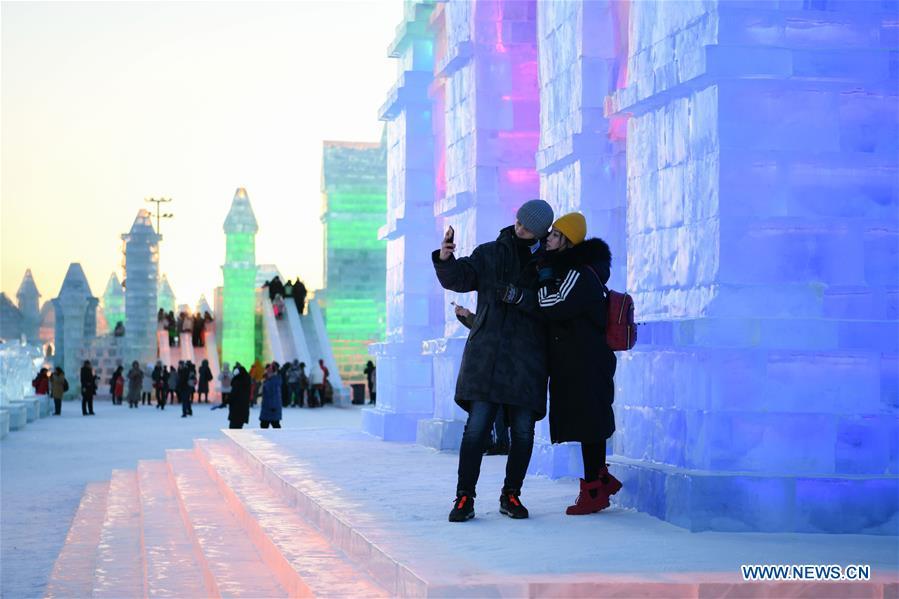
(581, 365)
(504, 360)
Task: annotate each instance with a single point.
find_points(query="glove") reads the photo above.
(509, 294)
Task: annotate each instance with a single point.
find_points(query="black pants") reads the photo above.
(145, 398)
(594, 455)
(372, 393)
(235, 425)
(274, 423)
(87, 404)
(58, 404)
(160, 395)
(186, 403)
(474, 442)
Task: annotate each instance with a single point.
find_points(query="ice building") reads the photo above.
(113, 303)
(11, 320)
(238, 318)
(75, 321)
(354, 187)
(141, 281)
(165, 296)
(28, 299)
(741, 160)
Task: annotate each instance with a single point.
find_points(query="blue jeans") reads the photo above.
(477, 434)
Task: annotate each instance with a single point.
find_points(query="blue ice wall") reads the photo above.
(581, 157)
(405, 383)
(762, 253)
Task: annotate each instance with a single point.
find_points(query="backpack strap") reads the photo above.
(598, 279)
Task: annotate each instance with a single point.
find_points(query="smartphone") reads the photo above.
(452, 234)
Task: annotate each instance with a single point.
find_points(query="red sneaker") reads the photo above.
(585, 504)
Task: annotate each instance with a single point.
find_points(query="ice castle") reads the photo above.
(740, 158)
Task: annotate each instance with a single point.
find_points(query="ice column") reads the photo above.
(75, 321)
(354, 205)
(404, 375)
(238, 318)
(487, 77)
(581, 159)
(113, 303)
(762, 251)
(141, 281)
(28, 299)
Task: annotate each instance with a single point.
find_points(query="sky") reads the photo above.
(106, 104)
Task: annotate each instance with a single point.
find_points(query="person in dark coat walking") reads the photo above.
(184, 390)
(275, 288)
(504, 364)
(299, 295)
(270, 408)
(573, 298)
(135, 384)
(371, 375)
(88, 389)
(203, 384)
(239, 399)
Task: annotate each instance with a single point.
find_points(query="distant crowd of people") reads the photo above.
(274, 385)
(279, 293)
(183, 326)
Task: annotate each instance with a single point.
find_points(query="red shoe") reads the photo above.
(613, 485)
(585, 504)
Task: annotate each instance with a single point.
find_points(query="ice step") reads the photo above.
(120, 555)
(73, 572)
(172, 564)
(302, 559)
(227, 554)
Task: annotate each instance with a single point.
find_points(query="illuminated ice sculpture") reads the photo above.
(238, 318)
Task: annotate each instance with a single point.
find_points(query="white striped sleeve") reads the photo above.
(551, 299)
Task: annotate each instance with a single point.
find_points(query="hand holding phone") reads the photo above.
(447, 247)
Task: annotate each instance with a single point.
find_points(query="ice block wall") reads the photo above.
(490, 103)
(141, 281)
(581, 158)
(762, 254)
(75, 322)
(238, 317)
(113, 302)
(354, 207)
(28, 299)
(404, 376)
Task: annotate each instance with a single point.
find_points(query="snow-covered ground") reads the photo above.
(46, 465)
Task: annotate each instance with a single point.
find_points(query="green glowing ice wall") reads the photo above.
(354, 207)
(239, 290)
(113, 302)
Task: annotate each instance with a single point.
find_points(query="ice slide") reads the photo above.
(303, 338)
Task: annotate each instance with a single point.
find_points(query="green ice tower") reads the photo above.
(239, 272)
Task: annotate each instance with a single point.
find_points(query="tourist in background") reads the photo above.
(172, 326)
(370, 377)
(146, 396)
(117, 385)
(270, 409)
(239, 398)
(205, 376)
(315, 387)
(58, 387)
(327, 394)
(157, 377)
(257, 374)
(299, 295)
(172, 383)
(184, 390)
(41, 382)
(225, 383)
(88, 389)
(135, 384)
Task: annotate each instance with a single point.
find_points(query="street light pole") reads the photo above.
(159, 215)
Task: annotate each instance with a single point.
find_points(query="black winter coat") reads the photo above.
(504, 360)
(581, 365)
(239, 400)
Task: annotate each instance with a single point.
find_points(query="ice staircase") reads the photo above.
(303, 338)
(288, 514)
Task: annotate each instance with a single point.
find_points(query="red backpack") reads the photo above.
(621, 331)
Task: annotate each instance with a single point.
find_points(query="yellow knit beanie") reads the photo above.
(573, 226)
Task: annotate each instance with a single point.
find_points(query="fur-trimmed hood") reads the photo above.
(593, 252)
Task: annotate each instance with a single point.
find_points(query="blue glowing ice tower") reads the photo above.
(28, 300)
(141, 280)
(75, 310)
(404, 376)
(762, 252)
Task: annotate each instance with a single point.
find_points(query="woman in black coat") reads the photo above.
(88, 389)
(572, 296)
(239, 400)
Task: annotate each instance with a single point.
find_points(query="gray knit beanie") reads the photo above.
(536, 216)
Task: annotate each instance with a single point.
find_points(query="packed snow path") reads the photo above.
(48, 466)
